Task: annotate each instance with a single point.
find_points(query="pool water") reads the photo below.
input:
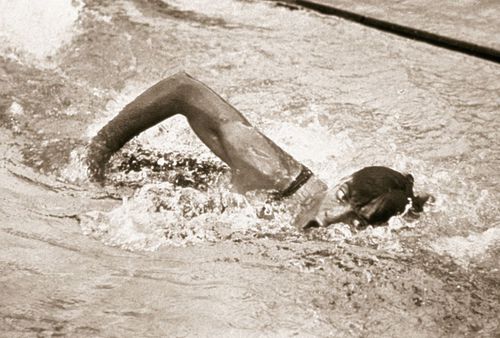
(166, 248)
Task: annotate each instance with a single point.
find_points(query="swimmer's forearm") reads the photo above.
(150, 108)
(156, 104)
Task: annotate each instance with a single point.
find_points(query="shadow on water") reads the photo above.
(166, 248)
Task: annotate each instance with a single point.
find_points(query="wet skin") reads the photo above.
(256, 162)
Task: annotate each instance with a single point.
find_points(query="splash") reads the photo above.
(165, 214)
(466, 249)
(35, 30)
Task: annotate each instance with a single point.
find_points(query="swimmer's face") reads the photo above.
(331, 201)
(329, 206)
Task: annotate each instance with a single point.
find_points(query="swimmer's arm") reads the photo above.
(220, 126)
(177, 94)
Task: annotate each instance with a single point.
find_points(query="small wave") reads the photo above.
(36, 30)
(465, 249)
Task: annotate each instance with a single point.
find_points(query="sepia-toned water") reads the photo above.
(166, 248)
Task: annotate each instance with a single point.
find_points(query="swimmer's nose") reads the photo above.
(314, 223)
(420, 200)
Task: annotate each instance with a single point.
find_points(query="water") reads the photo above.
(474, 21)
(165, 248)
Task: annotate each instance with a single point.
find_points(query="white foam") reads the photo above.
(36, 28)
(161, 214)
(464, 249)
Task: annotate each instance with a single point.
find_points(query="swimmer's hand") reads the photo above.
(98, 156)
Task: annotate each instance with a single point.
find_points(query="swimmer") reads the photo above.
(256, 162)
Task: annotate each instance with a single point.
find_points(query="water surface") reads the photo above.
(166, 248)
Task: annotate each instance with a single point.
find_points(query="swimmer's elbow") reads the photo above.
(180, 78)
(182, 74)
(179, 87)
